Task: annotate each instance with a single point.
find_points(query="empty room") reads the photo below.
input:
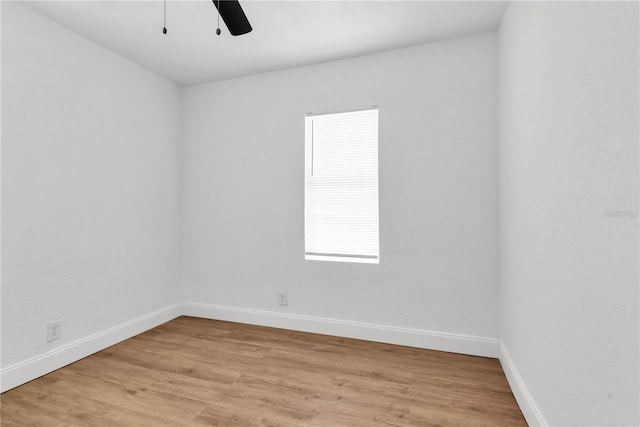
(320, 213)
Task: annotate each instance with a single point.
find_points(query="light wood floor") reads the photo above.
(197, 372)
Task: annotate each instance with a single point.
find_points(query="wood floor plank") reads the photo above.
(199, 372)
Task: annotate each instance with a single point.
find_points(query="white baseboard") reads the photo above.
(27, 370)
(30, 369)
(454, 343)
(527, 405)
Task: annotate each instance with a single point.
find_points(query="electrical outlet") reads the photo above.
(282, 298)
(54, 329)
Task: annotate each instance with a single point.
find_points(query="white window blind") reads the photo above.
(341, 187)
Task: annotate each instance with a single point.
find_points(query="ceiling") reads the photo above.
(285, 33)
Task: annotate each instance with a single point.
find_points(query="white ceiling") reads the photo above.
(285, 33)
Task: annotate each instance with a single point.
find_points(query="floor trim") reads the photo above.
(520, 391)
(30, 369)
(455, 343)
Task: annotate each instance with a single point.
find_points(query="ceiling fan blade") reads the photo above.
(232, 14)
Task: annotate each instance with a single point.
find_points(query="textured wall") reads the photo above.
(90, 186)
(569, 207)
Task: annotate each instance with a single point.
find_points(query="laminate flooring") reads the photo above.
(200, 372)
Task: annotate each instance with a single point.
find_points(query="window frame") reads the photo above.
(315, 255)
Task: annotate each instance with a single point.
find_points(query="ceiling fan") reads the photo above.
(231, 13)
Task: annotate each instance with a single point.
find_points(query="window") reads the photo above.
(341, 187)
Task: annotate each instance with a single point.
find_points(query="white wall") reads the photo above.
(91, 183)
(244, 190)
(90, 187)
(569, 156)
